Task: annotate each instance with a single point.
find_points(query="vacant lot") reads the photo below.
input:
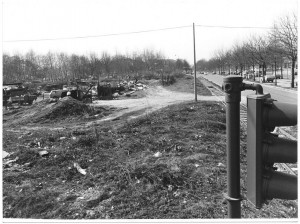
(167, 164)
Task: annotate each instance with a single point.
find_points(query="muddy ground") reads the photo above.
(158, 157)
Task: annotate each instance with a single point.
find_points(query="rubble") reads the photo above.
(4, 154)
(79, 169)
(43, 153)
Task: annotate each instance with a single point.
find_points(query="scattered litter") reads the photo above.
(170, 187)
(221, 165)
(62, 138)
(74, 138)
(43, 153)
(11, 161)
(4, 154)
(158, 154)
(176, 193)
(197, 165)
(80, 170)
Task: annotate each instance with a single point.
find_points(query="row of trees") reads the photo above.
(267, 51)
(54, 67)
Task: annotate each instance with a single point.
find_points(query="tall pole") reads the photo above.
(195, 80)
(232, 88)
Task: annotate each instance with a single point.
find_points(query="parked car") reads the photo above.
(278, 76)
(268, 78)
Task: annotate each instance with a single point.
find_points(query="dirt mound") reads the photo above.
(45, 111)
(63, 108)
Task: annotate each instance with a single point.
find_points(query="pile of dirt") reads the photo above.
(46, 111)
(63, 108)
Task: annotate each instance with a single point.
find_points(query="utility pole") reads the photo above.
(195, 79)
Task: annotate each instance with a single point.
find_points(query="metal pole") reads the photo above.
(195, 80)
(232, 87)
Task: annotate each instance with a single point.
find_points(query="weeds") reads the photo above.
(124, 179)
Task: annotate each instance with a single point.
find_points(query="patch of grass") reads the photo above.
(186, 84)
(165, 165)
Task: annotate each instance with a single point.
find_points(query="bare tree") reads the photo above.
(258, 48)
(286, 32)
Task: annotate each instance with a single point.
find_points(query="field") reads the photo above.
(169, 163)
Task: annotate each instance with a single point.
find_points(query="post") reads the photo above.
(232, 87)
(195, 79)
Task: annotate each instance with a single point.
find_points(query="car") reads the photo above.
(268, 78)
(278, 76)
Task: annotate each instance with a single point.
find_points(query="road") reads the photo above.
(277, 93)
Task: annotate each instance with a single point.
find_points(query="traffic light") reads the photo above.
(264, 149)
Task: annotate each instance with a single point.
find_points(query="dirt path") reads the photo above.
(156, 98)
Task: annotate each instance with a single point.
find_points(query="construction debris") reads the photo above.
(43, 153)
(79, 169)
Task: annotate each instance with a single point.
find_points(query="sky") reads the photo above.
(84, 26)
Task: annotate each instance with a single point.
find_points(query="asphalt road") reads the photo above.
(277, 93)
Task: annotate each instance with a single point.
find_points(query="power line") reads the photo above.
(102, 35)
(235, 27)
(141, 31)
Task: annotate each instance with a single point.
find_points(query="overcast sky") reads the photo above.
(90, 20)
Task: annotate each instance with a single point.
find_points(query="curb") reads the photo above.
(282, 88)
(269, 86)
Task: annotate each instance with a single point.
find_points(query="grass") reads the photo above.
(186, 84)
(169, 164)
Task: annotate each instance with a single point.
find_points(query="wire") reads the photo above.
(141, 31)
(235, 27)
(103, 35)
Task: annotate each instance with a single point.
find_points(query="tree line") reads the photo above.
(57, 67)
(271, 50)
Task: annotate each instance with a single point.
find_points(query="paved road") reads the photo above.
(277, 93)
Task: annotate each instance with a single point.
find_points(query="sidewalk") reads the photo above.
(281, 83)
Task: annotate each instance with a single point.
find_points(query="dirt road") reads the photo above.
(156, 97)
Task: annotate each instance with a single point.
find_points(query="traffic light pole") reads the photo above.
(232, 87)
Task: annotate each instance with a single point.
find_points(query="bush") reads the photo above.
(150, 75)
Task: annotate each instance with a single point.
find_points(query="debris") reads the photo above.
(176, 193)
(62, 138)
(80, 170)
(115, 94)
(197, 165)
(43, 153)
(170, 187)
(221, 165)
(11, 161)
(4, 154)
(158, 154)
(74, 138)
